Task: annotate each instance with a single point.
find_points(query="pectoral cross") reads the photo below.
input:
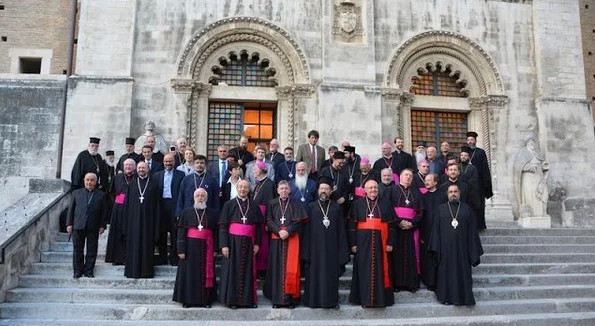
(141, 199)
(200, 227)
(244, 219)
(407, 202)
(371, 215)
(282, 219)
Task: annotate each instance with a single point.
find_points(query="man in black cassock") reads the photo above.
(109, 189)
(409, 213)
(129, 154)
(456, 247)
(89, 161)
(240, 234)
(341, 189)
(284, 218)
(403, 160)
(364, 174)
(419, 177)
(142, 224)
(241, 153)
(86, 221)
(468, 194)
(200, 178)
(468, 171)
(116, 240)
(324, 249)
(264, 192)
(386, 161)
(479, 159)
(371, 238)
(430, 202)
(195, 281)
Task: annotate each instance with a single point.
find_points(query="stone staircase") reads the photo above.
(527, 277)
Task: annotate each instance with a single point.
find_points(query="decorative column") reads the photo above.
(192, 101)
(488, 115)
(289, 99)
(404, 122)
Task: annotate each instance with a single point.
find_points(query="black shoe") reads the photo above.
(233, 307)
(89, 275)
(77, 275)
(207, 306)
(337, 307)
(254, 306)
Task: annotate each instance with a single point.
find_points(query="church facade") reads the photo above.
(359, 70)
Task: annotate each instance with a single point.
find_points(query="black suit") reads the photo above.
(155, 166)
(167, 215)
(86, 214)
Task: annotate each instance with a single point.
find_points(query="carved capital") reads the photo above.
(182, 85)
(391, 94)
(202, 89)
(407, 99)
(295, 90)
(488, 102)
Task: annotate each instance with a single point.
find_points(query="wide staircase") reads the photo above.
(526, 277)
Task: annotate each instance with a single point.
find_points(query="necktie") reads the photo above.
(313, 159)
(223, 170)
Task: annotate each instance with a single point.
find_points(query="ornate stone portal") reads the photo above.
(530, 192)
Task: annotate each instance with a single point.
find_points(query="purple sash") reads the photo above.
(423, 190)
(407, 213)
(207, 235)
(396, 178)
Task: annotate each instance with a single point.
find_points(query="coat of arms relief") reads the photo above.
(347, 24)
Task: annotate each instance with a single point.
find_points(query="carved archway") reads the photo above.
(203, 54)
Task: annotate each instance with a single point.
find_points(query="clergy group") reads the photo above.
(288, 222)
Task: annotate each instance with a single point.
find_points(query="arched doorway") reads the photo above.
(241, 76)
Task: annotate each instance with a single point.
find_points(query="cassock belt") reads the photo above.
(377, 225)
(120, 198)
(407, 213)
(262, 258)
(247, 230)
(292, 266)
(207, 235)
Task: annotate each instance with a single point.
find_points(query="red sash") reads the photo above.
(378, 225)
(246, 230)
(407, 213)
(262, 258)
(292, 268)
(207, 235)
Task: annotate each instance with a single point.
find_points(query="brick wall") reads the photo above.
(587, 9)
(35, 24)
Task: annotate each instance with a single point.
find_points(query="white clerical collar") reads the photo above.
(140, 176)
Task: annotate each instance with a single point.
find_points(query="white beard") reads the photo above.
(92, 153)
(420, 156)
(301, 182)
(200, 205)
(110, 164)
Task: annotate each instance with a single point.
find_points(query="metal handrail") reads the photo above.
(31, 222)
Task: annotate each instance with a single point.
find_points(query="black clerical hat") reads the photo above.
(466, 149)
(108, 153)
(325, 180)
(349, 149)
(94, 140)
(472, 134)
(130, 141)
(339, 155)
(422, 143)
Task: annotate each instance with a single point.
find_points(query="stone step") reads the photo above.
(486, 240)
(103, 269)
(64, 257)
(67, 247)
(537, 232)
(164, 296)
(167, 282)
(538, 248)
(545, 319)
(265, 312)
(537, 258)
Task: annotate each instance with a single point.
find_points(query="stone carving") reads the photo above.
(347, 26)
(160, 143)
(530, 174)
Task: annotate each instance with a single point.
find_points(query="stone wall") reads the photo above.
(30, 117)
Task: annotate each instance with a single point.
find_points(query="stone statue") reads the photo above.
(530, 174)
(160, 143)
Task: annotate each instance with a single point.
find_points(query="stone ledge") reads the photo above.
(48, 186)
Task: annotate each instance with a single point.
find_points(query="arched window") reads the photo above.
(438, 81)
(243, 70)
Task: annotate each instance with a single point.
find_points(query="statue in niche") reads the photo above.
(160, 143)
(347, 26)
(530, 174)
